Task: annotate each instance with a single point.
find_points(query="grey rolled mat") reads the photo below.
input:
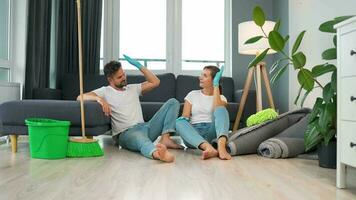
(247, 140)
(289, 143)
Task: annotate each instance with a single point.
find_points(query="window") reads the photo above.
(102, 38)
(143, 32)
(4, 29)
(4, 40)
(4, 74)
(168, 35)
(202, 33)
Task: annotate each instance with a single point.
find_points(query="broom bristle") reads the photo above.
(80, 149)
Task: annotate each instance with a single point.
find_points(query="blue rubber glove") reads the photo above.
(182, 118)
(218, 76)
(133, 62)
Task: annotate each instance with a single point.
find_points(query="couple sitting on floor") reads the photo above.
(204, 116)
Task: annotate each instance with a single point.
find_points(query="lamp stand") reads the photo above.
(260, 68)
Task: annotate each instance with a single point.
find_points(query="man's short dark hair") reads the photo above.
(111, 68)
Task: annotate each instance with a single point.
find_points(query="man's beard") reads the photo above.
(121, 85)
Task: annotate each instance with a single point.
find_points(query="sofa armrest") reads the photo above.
(250, 105)
(47, 93)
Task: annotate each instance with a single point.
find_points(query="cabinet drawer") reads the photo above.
(348, 105)
(347, 135)
(347, 44)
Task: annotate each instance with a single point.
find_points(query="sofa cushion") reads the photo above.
(186, 83)
(15, 112)
(165, 91)
(70, 84)
(162, 93)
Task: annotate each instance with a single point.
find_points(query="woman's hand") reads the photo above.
(217, 77)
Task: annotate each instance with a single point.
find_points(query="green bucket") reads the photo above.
(48, 138)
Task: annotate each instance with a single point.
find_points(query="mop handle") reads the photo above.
(80, 68)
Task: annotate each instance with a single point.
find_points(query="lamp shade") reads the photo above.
(248, 30)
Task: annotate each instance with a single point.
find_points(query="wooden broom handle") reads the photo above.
(80, 68)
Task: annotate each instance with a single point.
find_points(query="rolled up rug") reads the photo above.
(281, 147)
(289, 143)
(247, 140)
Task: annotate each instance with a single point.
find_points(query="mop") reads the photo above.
(82, 147)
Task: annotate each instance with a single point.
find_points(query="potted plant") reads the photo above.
(321, 128)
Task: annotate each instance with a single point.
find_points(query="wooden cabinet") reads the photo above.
(346, 99)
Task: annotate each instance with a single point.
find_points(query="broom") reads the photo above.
(82, 147)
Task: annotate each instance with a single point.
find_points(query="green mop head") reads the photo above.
(79, 148)
(261, 116)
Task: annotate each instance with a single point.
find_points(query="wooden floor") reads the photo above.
(125, 175)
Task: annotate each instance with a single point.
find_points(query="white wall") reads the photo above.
(308, 15)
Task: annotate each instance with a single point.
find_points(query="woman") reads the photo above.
(205, 117)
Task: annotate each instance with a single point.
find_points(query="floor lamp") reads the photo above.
(246, 31)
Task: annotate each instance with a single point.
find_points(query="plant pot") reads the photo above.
(327, 155)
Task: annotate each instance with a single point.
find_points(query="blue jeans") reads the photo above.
(141, 136)
(195, 134)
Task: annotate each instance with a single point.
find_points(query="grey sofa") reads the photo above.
(61, 104)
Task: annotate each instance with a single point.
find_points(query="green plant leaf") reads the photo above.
(325, 118)
(312, 136)
(327, 27)
(286, 38)
(329, 54)
(304, 97)
(276, 25)
(328, 136)
(279, 73)
(334, 111)
(297, 42)
(276, 64)
(276, 41)
(319, 70)
(299, 60)
(298, 95)
(342, 18)
(305, 78)
(333, 80)
(258, 58)
(328, 93)
(253, 39)
(258, 16)
(316, 109)
(335, 40)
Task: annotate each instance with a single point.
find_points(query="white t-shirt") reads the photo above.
(202, 106)
(125, 106)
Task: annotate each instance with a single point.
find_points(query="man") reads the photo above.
(121, 101)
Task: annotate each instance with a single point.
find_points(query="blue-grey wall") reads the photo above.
(280, 89)
(241, 12)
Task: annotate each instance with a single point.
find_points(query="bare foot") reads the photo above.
(163, 154)
(209, 153)
(223, 154)
(169, 143)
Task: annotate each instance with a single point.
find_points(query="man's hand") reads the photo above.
(218, 76)
(105, 106)
(133, 62)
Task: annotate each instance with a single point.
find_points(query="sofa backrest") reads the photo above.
(70, 86)
(186, 83)
(162, 93)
